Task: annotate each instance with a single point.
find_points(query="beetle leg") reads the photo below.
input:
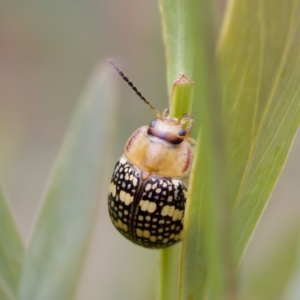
(186, 180)
(191, 141)
(166, 112)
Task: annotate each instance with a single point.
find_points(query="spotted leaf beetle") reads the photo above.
(147, 193)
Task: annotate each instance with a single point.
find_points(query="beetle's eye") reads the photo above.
(152, 124)
(182, 132)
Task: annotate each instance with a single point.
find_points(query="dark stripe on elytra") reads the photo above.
(136, 202)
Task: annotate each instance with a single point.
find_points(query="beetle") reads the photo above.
(147, 193)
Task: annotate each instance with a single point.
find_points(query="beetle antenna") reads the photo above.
(134, 88)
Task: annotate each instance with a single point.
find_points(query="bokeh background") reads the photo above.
(48, 49)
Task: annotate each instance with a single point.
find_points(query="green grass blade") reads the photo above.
(11, 252)
(178, 38)
(62, 231)
(181, 102)
(188, 28)
(169, 270)
(259, 56)
(179, 43)
(207, 266)
(182, 96)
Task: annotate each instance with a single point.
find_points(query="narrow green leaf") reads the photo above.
(189, 28)
(169, 270)
(207, 266)
(178, 38)
(182, 96)
(179, 45)
(11, 252)
(181, 102)
(202, 267)
(259, 58)
(61, 234)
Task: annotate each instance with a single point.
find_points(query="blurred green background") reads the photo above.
(48, 49)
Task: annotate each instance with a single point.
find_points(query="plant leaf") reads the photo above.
(189, 27)
(61, 233)
(11, 252)
(179, 45)
(178, 38)
(259, 56)
(206, 265)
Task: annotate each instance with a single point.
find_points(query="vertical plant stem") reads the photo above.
(181, 103)
(169, 270)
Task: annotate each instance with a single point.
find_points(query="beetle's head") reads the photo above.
(170, 129)
(165, 127)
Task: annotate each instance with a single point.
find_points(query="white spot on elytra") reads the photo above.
(122, 161)
(112, 189)
(175, 215)
(133, 180)
(168, 210)
(180, 215)
(147, 205)
(146, 233)
(144, 205)
(121, 225)
(170, 198)
(175, 183)
(154, 186)
(126, 197)
(153, 238)
(152, 207)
